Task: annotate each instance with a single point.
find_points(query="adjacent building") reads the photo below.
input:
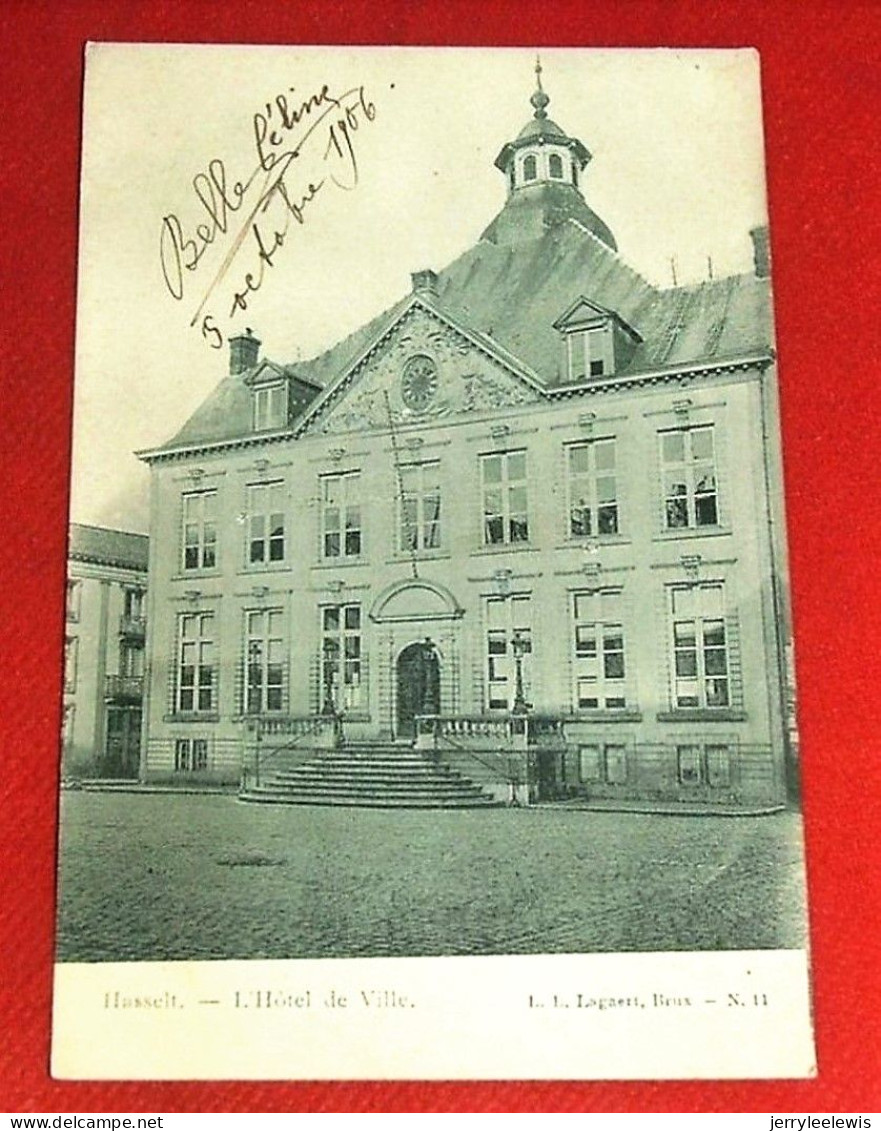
(105, 631)
(535, 506)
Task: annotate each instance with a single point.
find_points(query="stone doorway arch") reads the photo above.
(418, 647)
(417, 685)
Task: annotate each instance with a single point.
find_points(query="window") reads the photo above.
(67, 724)
(133, 604)
(73, 600)
(131, 661)
(717, 762)
(508, 627)
(195, 673)
(530, 168)
(689, 470)
(70, 655)
(589, 764)
(341, 515)
(190, 755)
(420, 507)
(599, 650)
(266, 523)
(555, 166)
(265, 659)
(700, 653)
(270, 407)
(593, 489)
(615, 759)
(704, 765)
(602, 763)
(505, 518)
(200, 530)
(342, 661)
(587, 353)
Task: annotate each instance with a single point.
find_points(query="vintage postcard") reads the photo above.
(428, 692)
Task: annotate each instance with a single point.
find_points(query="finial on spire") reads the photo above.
(539, 100)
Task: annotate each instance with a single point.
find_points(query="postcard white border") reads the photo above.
(701, 1015)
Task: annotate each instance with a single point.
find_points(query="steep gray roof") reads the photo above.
(543, 250)
(108, 547)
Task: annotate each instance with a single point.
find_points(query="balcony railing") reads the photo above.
(124, 688)
(132, 626)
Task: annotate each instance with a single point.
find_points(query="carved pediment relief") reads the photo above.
(423, 370)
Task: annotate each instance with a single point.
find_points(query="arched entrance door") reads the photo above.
(418, 685)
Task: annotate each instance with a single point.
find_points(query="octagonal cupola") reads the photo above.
(542, 153)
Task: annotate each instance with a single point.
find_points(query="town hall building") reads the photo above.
(525, 526)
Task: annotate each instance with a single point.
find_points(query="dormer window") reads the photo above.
(596, 342)
(587, 353)
(270, 407)
(530, 168)
(555, 166)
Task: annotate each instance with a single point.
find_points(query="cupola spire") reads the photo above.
(543, 167)
(539, 100)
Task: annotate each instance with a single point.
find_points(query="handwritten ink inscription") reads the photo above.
(303, 147)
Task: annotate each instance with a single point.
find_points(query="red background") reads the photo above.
(822, 92)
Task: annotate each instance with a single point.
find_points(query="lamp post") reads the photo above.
(519, 646)
(428, 705)
(328, 708)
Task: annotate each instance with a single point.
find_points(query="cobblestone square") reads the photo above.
(171, 877)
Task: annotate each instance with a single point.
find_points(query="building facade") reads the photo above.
(105, 632)
(535, 507)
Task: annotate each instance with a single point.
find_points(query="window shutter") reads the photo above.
(365, 680)
(628, 627)
(286, 683)
(315, 690)
(478, 671)
(570, 703)
(561, 511)
(452, 704)
(735, 669)
(720, 442)
(171, 681)
(656, 483)
(240, 676)
(663, 635)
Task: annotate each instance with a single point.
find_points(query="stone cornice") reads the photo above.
(670, 375)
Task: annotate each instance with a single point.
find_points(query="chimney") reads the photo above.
(425, 283)
(761, 251)
(243, 351)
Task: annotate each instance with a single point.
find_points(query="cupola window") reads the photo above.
(555, 166)
(530, 168)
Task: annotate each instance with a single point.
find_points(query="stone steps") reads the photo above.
(369, 776)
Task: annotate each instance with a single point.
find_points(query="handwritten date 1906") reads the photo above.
(282, 130)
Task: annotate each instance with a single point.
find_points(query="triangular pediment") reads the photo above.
(266, 373)
(586, 314)
(582, 312)
(423, 367)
